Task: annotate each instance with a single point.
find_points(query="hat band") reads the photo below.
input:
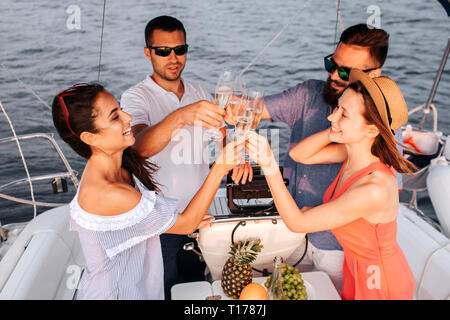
(388, 111)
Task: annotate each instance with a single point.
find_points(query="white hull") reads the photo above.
(428, 254)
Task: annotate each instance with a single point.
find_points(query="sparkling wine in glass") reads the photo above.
(237, 97)
(256, 103)
(243, 120)
(222, 95)
(244, 123)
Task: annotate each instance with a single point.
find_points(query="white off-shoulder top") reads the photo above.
(123, 252)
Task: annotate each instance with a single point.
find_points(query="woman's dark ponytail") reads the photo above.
(138, 166)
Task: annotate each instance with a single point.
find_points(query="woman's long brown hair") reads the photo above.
(81, 110)
(385, 145)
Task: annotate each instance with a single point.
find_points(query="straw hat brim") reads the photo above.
(387, 97)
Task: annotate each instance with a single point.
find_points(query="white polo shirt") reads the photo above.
(184, 162)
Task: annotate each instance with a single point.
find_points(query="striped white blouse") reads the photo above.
(123, 252)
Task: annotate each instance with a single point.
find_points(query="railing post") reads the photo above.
(435, 84)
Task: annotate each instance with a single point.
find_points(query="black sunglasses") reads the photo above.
(165, 51)
(343, 72)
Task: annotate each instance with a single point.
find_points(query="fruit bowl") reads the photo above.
(217, 289)
(310, 293)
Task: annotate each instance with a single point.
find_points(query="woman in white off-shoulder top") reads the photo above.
(117, 211)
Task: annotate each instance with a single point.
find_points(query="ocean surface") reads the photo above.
(50, 45)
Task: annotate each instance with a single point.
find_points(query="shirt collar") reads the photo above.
(152, 84)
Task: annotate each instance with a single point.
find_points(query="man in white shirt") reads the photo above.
(170, 116)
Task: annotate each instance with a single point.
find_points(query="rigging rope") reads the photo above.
(23, 158)
(274, 38)
(341, 23)
(338, 18)
(26, 87)
(335, 25)
(101, 41)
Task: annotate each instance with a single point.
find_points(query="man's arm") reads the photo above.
(151, 140)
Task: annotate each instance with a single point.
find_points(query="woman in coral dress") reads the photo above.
(374, 264)
(361, 205)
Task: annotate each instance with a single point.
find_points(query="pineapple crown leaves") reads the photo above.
(245, 252)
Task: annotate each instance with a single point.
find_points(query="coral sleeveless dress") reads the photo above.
(375, 267)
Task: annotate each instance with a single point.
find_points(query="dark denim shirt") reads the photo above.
(304, 110)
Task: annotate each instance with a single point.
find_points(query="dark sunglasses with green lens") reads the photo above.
(343, 72)
(165, 51)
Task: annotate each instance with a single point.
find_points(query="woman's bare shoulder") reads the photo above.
(381, 191)
(378, 193)
(108, 199)
(378, 184)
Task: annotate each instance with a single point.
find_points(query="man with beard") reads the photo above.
(305, 109)
(170, 115)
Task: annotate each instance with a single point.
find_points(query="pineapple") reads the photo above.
(237, 272)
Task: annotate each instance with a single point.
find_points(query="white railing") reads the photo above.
(69, 174)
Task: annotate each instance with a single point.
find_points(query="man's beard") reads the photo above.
(331, 95)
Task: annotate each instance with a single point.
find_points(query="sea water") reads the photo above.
(51, 45)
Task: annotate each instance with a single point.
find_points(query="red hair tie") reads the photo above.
(68, 92)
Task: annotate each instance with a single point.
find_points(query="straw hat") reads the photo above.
(387, 98)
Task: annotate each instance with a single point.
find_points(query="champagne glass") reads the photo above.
(256, 103)
(222, 95)
(255, 109)
(243, 119)
(239, 93)
(239, 88)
